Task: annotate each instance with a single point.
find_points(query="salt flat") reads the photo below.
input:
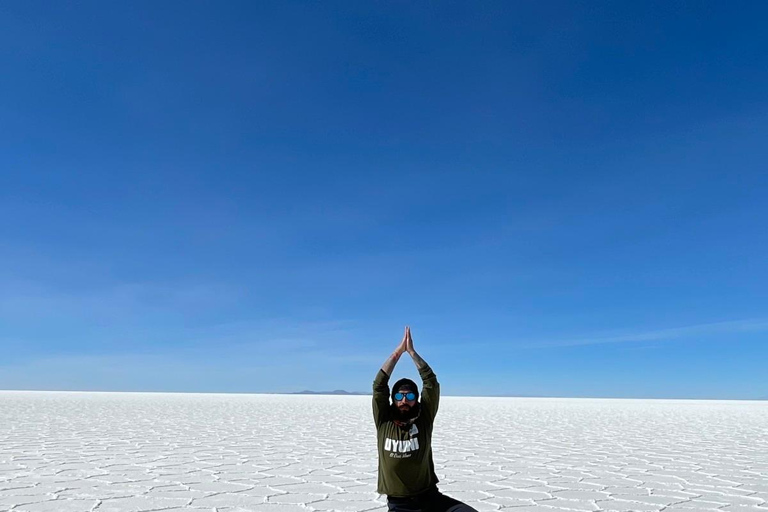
(71, 452)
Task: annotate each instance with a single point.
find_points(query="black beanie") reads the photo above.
(405, 383)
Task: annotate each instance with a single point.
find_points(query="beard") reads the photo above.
(406, 413)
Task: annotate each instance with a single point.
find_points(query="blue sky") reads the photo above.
(562, 199)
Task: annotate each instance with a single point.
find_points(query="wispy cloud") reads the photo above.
(29, 299)
(263, 367)
(675, 333)
(258, 354)
(138, 372)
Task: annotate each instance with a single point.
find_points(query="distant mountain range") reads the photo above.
(336, 392)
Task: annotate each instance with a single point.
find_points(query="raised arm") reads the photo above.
(430, 394)
(389, 365)
(381, 383)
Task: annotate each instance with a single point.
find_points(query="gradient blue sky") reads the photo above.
(560, 198)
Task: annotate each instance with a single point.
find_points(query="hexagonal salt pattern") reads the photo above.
(141, 452)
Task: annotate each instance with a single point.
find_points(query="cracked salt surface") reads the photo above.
(141, 452)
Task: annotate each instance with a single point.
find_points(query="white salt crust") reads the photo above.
(141, 452)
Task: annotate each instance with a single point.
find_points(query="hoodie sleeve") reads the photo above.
(380, 397)
(430, 394)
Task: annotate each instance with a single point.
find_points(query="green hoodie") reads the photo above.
(405, 453)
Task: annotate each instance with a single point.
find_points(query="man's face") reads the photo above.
(404, 405)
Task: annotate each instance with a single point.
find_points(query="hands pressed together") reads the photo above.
(406, 345)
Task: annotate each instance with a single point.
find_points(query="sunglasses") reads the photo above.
(409, 396)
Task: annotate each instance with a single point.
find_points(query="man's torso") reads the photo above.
(405, 457)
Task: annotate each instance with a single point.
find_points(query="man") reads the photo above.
(404, 432)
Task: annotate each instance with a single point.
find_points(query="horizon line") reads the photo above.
(354, 393)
